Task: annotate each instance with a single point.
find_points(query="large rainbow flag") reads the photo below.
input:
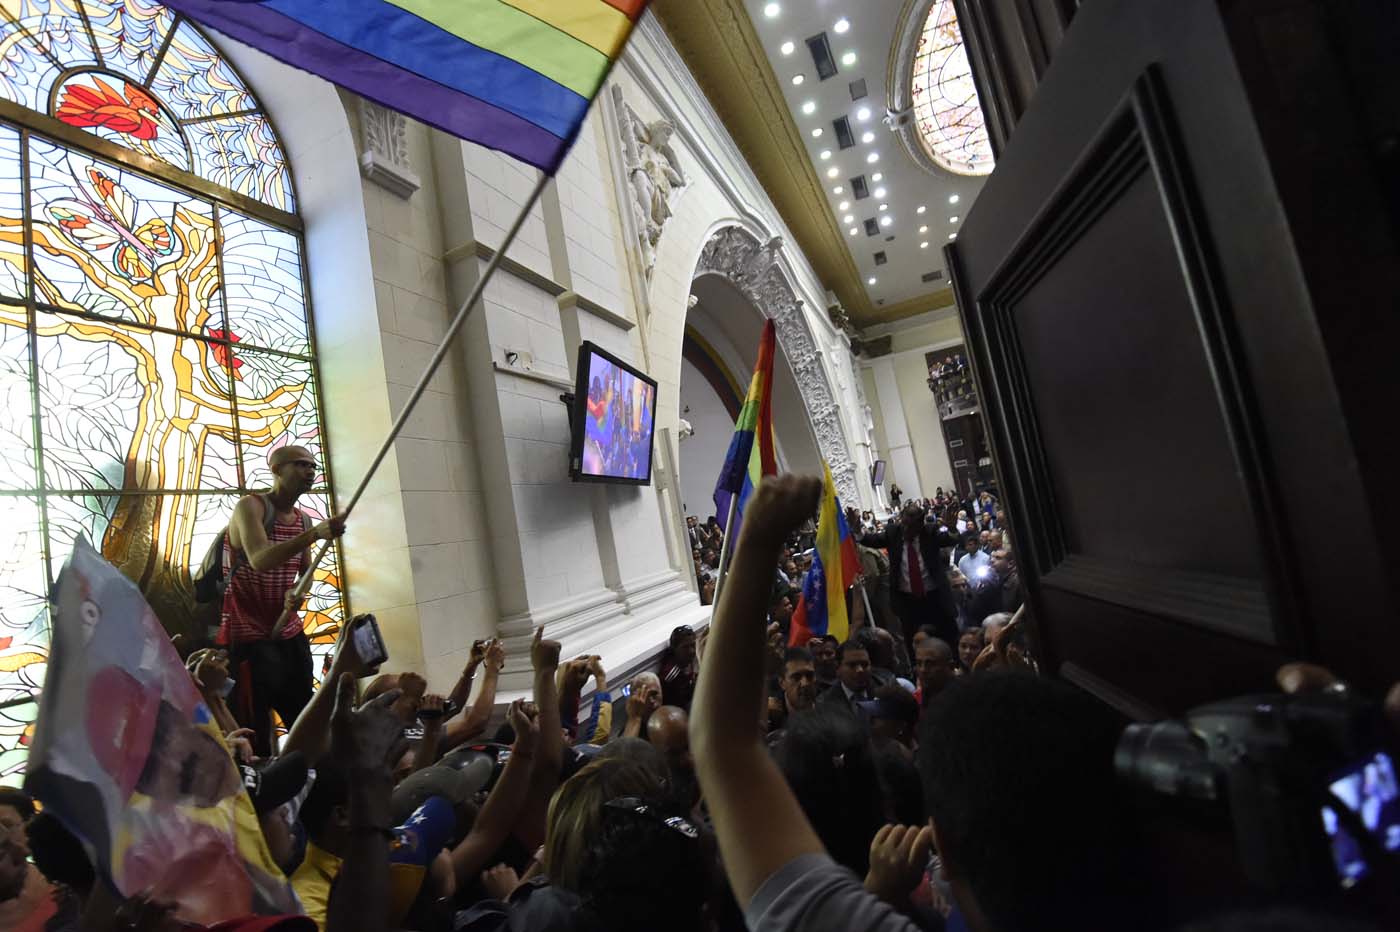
(822, 607)
(513, 75)
(750, 456)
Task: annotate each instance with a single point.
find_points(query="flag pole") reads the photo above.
(726, 549)
(463, 312)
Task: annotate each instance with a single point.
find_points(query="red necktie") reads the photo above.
(916, 571)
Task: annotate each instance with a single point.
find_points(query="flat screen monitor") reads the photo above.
(877, 473)
(614, 419)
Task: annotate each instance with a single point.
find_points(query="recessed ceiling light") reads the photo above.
(838, 190)
(848, 59)
(841, 26)
(923, 229)
(870, 281)
(867, 137)
(809, 107)
(772, 10)
(879, 192)
(797, 80)
(921, 209)
(817, 132)
(877, 177)
(952, 236)
(844, 205)
(873, 157)
(886, 220)
(849, 218)
(923, 245)
(953, 199)
(854, 230)
(952, 219)
(832, 172)
(788, 47)
(826, 154)
(884, 206)
(863, 114)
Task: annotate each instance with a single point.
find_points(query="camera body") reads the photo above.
(1281, 764)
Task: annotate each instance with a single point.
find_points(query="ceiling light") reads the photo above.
(877, 177)
(772, 10)
(809, 107)
(863, 114)
(848, 59)
(788, 47)
(797, 80)
(923, 229)
(844, 205)
(921, 209)
(952, 219)
(884, 206)
(832, 172)
(838, 190)
(841, 26)
(873, 157)
(886, 220)
(953, 199)
(923, 245)
(867, 137)
(817, 133)
(854, 230)
(879, 192)
(870, 281)
(952, 236)
(849, 218)
(826, 154)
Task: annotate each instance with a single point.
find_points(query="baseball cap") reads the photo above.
(457, 785)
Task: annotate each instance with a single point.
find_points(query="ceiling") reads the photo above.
(737, 54)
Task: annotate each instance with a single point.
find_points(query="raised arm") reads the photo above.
(502, 808)
(260, 552)
(759, 823)
(460, 731)
(544, 656)
(311, 732)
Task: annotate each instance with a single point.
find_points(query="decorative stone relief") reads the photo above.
(384, 149)
(654, 176)
(753, 267)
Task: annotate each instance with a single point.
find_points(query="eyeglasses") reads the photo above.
(638, 806)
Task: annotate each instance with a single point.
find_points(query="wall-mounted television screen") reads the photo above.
(614, 419)
(877, 473)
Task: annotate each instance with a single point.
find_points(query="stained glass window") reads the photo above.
(154, 336)
(946, 109)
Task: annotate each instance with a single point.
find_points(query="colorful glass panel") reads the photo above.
(946, 108)
(129, 34)
(276, 408)
(24, 633)
(262, 278)
(16, 405)
(116, 110)
(12, 264)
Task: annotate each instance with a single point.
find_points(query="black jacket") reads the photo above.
(931, 541)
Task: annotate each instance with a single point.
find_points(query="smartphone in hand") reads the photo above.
(369, 643)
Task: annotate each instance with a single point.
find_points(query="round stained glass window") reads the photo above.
(947, 112)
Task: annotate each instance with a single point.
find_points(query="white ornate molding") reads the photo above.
(384, 149)
(753, 268)
(655, 181)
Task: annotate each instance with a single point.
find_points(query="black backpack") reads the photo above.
(209, 580)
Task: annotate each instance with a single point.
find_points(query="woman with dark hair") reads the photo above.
(680, 667)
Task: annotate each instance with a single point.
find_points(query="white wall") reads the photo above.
(703, 454)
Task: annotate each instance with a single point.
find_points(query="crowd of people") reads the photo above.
(916, 775)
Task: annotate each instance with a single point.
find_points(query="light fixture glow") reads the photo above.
(826, 154)
(832, 172)
(886, 220)
(923, 245)
(884, 206)
(854, 231)
(817, 133)
(953, 199)
(797, 80)
(844, 205)
(873, 157)
(867, 137)
(849, 218)
(863, 114)
(772, 10)
(841, 26)
(870, 281)
(879, 192)
(810, 107)
(952, 219)
(788, 47)
(877, 177)
(921, 209)
(952, 236)
(848, 59)
(838, 190)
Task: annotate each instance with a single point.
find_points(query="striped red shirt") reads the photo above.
(254, 599)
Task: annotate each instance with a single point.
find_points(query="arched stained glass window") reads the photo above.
(946, 109)
(155, 340)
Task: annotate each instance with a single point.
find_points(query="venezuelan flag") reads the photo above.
(750, 456)
(513, 75)
(822, 607)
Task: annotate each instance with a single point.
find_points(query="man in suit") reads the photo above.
(852, 678)
(918, 575)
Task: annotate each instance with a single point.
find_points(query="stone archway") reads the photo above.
(753, 268)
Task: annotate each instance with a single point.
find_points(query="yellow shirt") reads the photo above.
(312, 882)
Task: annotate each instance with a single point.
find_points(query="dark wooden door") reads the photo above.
(1181, 293)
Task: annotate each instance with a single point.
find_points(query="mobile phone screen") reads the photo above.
(1369, 790)
(367, 641)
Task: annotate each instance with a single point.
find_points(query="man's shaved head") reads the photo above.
(283, 455)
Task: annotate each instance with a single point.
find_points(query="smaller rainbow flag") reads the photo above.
(822, 607)
(513, 75)
(748, 462)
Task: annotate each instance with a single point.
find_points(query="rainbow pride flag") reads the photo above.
(822, 607)
(750, 456)
(512, 75)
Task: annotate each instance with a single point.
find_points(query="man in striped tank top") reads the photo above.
(262, 562)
